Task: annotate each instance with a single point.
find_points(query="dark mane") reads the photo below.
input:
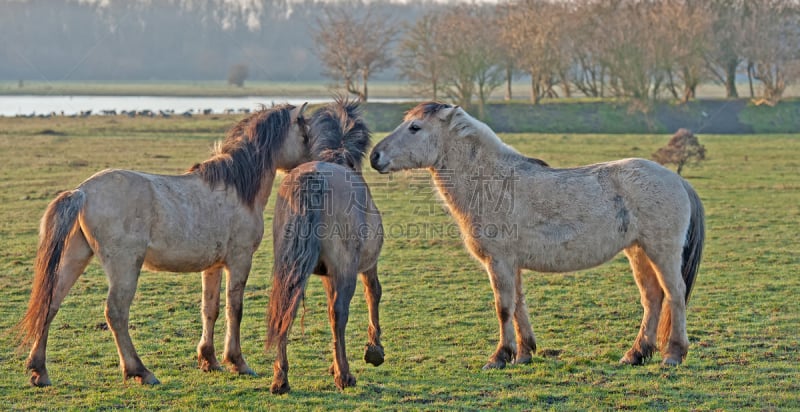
(536, 161)
(247, 152)
(339, 134)
(425, 109)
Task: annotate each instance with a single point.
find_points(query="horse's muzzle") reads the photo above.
(375, 162)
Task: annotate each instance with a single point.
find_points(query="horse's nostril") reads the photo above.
(374, 157)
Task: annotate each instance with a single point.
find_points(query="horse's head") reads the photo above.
(296, 146)
(417, 142)
(339, 134)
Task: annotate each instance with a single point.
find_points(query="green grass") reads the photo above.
(437, 311)
(766, 119)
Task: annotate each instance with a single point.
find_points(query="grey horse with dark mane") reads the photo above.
(327, 224)
(209, 219)
(518, 213)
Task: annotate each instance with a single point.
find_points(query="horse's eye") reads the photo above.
(414, 127)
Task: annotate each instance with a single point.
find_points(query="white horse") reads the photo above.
(209, 219)
(517, 213)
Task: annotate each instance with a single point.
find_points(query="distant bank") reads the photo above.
(701, 116)
(390, 99)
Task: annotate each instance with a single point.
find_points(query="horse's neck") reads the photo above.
(465, 166)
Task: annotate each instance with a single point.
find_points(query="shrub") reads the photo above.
(682, 149)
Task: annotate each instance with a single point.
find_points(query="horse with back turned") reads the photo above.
(326, 223)
(209, 219)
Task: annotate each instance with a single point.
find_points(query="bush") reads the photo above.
(682, 148)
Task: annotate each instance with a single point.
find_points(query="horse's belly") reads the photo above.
(175, 260)
(568, 258)
(555, 246)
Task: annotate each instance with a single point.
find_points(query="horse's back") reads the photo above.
(349, 219)
(177, 223)
(576, 218)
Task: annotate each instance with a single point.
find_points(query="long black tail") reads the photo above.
(296, 252)
(695, 237)
(57, 223)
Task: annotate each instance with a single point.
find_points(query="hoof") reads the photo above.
(148, 379)
(634, 359)
(522, 360)
(239, 367)
(373, 354)
(494, 365)
(671, 362)
(246, 371)
(279, 388)
(344, 380)
(40, 381)
(209, 366)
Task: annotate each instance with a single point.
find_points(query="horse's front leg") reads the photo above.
(502, 277)
(373, 353)
(237, 274)
(206, 355)
(340, 291)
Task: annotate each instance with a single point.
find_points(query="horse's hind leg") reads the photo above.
(502, 277)
(74, 260)
(123, 276)
(672, 324)
(651, 298)
(206, 356)
(340, 291)
(526, 341)
(280, 369)
(373, 353)
(236, 281)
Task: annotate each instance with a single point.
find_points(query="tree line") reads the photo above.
(638, 49)
(463, 52)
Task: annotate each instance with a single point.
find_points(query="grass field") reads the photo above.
(437, 311)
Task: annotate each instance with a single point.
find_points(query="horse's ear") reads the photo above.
(302, 109)
(446, 115)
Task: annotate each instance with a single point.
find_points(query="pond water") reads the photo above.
(69, 105)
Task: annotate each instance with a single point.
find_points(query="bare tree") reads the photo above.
(470, 55)
(353, 45)
(237, 74)
(419, 56)
(773, 45)
(527, 42)
(508, 61)
(727, 40)
(682, 149)
(588, 73)
(624, 49)
(686, 36)
(659, 48)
